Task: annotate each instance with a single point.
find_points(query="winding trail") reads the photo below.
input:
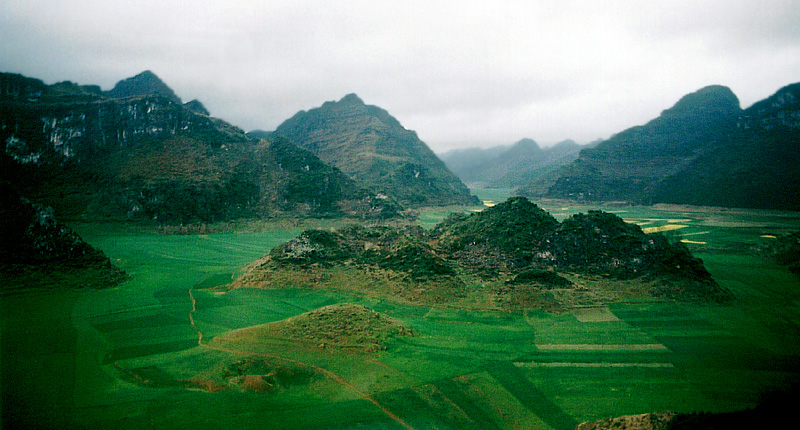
(324, 371)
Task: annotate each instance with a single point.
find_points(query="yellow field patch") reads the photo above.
(663, 228)
(693, 242)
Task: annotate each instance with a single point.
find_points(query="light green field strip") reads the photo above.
(697, 233)
(571, 364)
(601, 347)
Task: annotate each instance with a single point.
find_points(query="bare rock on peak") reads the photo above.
(197, 107)
(145, 83)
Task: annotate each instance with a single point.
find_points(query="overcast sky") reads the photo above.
(459, 73)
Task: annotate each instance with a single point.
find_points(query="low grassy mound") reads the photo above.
(257, 375)
(261, 376)
(341, 327)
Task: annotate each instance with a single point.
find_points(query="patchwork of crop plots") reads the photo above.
(132, 357)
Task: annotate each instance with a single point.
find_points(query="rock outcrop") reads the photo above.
(519, 254)
(143, 84)
(651, 421)
(36, 251)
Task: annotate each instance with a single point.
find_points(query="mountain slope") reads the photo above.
(371, 146)
(510, 166)
(705, 150)
(149, 157)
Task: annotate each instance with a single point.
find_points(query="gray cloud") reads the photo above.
(460, 73)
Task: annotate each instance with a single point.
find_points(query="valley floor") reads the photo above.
(152, 353)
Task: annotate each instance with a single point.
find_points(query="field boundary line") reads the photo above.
(601, 347)
(577, 364)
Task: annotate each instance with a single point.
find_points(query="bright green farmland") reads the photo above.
(72, 359)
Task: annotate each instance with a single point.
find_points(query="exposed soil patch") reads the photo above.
(654, 421)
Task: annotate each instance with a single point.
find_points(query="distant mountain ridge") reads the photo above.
(705, 150)
(147, 156)
(372, 147)
(513, 166)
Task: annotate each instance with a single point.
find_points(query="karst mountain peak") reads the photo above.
(371, 146)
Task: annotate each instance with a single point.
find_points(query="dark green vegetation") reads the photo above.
(514, 166)
(512, 250)
(295, 181)
(129, 357)
(371, 146)
(786, 251)
(137, 154)
(705, 150)
(36, 251)
(774, 410)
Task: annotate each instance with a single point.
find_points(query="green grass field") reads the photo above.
(129, 357)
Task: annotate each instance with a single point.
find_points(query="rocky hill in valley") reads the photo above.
(520, 164)
(705, 150)
(371, 146)
(137, 153)
(523, 257)
(36, 251)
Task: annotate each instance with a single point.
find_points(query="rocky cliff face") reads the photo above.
(704, 150)
(144, 156)
(371, 146)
